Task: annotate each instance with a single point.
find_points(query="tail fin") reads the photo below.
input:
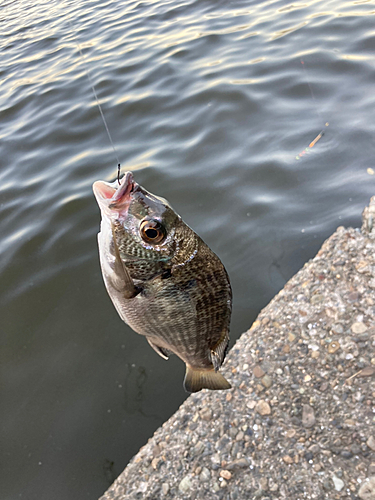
(195, 380)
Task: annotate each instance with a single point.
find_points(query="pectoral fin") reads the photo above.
(121, 279)
(162, 351)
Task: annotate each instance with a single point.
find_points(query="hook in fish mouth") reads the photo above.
(110, 196)
(121, 195)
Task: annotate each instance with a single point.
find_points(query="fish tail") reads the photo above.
(195, 380)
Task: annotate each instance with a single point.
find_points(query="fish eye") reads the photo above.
(152, 231)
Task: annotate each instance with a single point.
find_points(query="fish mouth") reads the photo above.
(110, 196)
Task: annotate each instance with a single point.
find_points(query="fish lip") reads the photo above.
(122, 193)
(112, 197)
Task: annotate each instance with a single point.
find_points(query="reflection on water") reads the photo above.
(210, 104)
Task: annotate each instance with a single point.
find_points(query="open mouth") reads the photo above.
(112, 196)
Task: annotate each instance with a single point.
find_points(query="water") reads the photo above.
(209, 104)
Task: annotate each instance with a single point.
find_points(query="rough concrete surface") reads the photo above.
(299, 422)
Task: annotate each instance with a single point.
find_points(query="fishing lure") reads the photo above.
(312, 144)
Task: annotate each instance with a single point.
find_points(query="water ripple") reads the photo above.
(209, 103)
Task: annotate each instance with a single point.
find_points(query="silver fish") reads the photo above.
(164, 281)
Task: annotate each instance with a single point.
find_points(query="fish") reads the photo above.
(164, 281)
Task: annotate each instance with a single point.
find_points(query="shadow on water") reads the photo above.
(275, 270)
(134, 398)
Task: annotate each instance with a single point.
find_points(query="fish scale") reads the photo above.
(164, 281)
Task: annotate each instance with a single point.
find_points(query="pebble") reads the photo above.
(237, 464)
(324, 386)
(216, 487)
(314, 448)
(337, 328)
(371, 443)
(156, 462)
(315, 299)
(198, 449)
(240, 436)
(288, 459)
(205, 475)
(226, 474)
(358, 328)
(363, 337)
(142, 488)
(233, 431)
(355, 449)
(222, 443)
(263, 408)
(274, 487)
(165, 488)
(367, 490)
(206, 413)
(367, 372)
(326, 484)
(354, 297)
(235, 493)
(258, 372)
(338, 483)
(308, 416)
(263, 482)
(185, 484)
(267, 381)
(333, 347)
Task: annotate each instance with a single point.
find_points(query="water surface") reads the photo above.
(209, 104)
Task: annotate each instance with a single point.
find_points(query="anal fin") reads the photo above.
(218, 353)
(196, 379)
(162, 351)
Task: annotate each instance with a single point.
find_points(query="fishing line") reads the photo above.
(321, 133)
(97, 102)
(311, 90)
